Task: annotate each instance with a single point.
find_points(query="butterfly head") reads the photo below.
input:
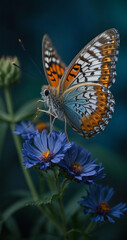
(45, 93)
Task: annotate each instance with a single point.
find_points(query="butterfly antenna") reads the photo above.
(13, 63)
(31, 59)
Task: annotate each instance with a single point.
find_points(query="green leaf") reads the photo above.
(27, 111)
(4, 117)
(46, 199)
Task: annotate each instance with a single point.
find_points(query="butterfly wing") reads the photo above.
(88, 108)
(87, 101)
(53, 65)
(95, 63)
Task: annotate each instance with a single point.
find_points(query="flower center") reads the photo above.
(76, 168)
(46, 156)
(103, 208)
(41, 126)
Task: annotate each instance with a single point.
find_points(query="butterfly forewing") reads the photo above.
(53, 65)
(95, 63)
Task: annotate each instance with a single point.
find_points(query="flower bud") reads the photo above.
(9, 74)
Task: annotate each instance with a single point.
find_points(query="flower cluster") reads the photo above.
(46, 150)
(49, 150)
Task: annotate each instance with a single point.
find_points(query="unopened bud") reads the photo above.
(9, 74)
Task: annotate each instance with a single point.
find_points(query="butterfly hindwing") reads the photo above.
(53, 65)
(88, 108)
(95, 63)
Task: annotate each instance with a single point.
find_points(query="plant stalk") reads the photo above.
(60, 202)
(89, 229)
(25, 171)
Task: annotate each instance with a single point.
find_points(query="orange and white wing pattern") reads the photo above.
(88, 108)
(87, 101)
(53, 66)
(95, 63)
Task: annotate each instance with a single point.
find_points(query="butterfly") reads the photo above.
(80, 93)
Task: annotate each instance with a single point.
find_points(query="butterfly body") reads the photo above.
(53, 101)
(81, 92)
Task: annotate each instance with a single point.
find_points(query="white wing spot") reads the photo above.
(97, 44)
(46, 65)
(47, 53)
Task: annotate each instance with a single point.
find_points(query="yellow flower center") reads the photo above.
(103, 208)
(47, 156)
(76, 168)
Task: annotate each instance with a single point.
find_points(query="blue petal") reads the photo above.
(110, 193)
(44, 140)
(110, 219)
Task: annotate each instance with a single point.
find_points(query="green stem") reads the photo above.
(25, 171)
(64, 183)
(18, 144)
(89, 229)
(61, 204)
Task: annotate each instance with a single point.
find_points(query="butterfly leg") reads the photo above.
(48, 112)
(37, 112)
(66, 129)
(40, 110)
(53, 121)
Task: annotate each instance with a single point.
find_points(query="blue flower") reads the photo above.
(25, 131)
(97, 204)
(45, 149)
(80, 166)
